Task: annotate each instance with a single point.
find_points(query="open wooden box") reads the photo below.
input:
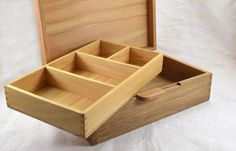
(90, 90)
(80, 91)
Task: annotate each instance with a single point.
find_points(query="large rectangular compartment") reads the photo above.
(80, 91)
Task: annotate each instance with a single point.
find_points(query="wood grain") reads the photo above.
(193, 88)
(92, 86)
(102, 48)
(45, 110)
(67, 25)
(95, 67)
(134, 56)
(131, 85)
(66, 98)
(76, 85)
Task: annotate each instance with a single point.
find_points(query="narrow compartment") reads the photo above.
(134, 56)
(94, 68)
(63, 88)
(101, 48)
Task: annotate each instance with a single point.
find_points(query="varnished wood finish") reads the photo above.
(184, 86)
(45, 110)
(72, 92)
(67, 25)
(95, 68)
(134, 56)
(102, 49)
(90, 85)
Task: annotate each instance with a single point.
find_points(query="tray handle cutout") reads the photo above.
(150, 94)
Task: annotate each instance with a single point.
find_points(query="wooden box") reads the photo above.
(80, 91)
(90, 90)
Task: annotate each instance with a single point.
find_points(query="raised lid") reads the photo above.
(65, 25)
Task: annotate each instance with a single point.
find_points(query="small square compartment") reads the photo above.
(134, 56)
(63, 89)
(94, 68)
(101, 48)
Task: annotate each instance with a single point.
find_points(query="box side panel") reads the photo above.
(44, 111)
(110, 103)
(136, 114)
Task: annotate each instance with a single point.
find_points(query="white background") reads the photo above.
(202, 32)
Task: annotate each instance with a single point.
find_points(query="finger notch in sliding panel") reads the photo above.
(101, 48)
(134, 56)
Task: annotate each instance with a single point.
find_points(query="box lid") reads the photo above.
(65, 25)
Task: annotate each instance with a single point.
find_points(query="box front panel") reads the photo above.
(45, 111)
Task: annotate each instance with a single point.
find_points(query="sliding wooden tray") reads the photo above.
(80, 91)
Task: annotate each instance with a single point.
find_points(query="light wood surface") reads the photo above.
(74, 85)
(95, 67)
(66, 98)
(106, 107)
(134, 56)
(67, 25)
(45, 110)
(193, 88)
(102, 49)
(91, 85)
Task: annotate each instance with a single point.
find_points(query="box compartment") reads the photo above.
(79, 92)
(94, 68)
(134, 56)
(62, 88)
(102, 49)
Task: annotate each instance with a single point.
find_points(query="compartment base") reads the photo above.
(65, 98)
(95, 76)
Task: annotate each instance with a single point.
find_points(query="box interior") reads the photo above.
(102, 49)
(62, 88)
(59, 81)
(173, 72)
(95, 68)
(82, 77)
(135, 56)
(104, 61)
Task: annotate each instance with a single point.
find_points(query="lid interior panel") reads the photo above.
(66, 25)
